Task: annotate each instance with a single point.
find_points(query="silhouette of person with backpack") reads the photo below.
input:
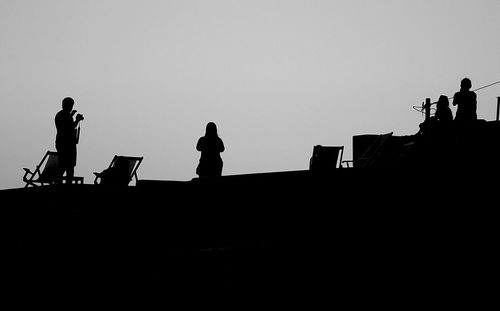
(210, 146)
(67, 137)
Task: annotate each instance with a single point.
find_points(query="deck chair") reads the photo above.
(47, 172)
(121, 170)
(326, 158)
(367, 149)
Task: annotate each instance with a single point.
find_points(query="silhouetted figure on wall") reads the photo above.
(466, 102)
(465, 123)
(443, 111)
(210, 146)
(67, 136)
(440, 122)
(435, 136)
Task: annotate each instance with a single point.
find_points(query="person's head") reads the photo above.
(211, 129)
(443, 102)
(465, 84)
(67, 104)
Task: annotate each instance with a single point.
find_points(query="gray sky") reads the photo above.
(277, 77)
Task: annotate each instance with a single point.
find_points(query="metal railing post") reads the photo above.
(498, 108)
(427, 108)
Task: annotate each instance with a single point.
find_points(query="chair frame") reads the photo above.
(115, 158)
(372, 153)
(31, 178)
(346, 164)
(338, 164)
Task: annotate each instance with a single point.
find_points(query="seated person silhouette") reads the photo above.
(118, 174)
(442, 120)
(443, 127)
(210, 146)
(443, 111)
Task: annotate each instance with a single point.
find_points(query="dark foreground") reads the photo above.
(353, 238)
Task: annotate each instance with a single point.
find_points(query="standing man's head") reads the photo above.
(67, 104)
(465, 84)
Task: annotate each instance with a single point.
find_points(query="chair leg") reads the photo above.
(30, 183)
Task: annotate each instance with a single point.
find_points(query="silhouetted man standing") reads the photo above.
(67, 137)
(466, 102)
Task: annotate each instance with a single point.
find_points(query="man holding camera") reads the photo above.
(67, 137)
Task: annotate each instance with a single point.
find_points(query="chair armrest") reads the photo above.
(97, 176)
(26, 172)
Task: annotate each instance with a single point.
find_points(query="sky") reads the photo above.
(276, 76)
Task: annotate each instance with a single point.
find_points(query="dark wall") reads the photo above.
(355, 232)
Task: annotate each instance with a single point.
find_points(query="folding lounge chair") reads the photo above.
(326, 158)
(47, 172)
(367, 149)
(121, 170)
